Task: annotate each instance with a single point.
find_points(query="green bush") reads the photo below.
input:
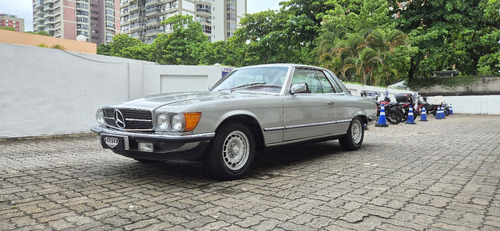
(58, 46)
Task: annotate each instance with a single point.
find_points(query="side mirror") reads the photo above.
(299, 88)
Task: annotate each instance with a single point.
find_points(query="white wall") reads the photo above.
(48, 92)
(484, 105)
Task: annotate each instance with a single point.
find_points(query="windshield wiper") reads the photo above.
(247, 85)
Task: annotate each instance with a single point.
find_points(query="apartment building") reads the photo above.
(142, 19)
(97, 20)
(12, 21)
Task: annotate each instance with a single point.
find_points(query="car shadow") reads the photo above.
(276, 158)
(271, 160)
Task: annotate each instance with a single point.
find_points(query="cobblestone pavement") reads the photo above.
(436, 175)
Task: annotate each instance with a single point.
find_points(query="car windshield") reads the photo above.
(264, 79)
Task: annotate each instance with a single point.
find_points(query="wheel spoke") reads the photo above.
(235, 150)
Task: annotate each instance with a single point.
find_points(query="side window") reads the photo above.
(336, 85)
(305, 76)
(326, 86)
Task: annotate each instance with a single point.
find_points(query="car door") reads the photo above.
(312, 113)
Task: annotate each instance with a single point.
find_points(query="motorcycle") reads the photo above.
(432, 108)
(392, 114)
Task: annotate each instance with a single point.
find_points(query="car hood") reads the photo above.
(154, 102)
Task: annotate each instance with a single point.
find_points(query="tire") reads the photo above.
(393, 117)
(354, 137)
(231, 152)
(446, 112)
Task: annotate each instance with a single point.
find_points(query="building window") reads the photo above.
(203, 19)
(231, 16)
(231, 7)
(207, 29)
(231, 26)
(203, 8)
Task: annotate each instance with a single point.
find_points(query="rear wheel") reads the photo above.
(393, 116)
(354, 137)
(231, 152)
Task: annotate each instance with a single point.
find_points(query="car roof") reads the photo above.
(284, 65)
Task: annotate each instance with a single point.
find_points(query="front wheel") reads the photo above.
(354, 137)
(231, 152)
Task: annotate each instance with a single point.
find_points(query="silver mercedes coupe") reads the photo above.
(248, 110)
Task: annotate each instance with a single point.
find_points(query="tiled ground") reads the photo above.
(438, 175)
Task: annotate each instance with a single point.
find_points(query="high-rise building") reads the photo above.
(97, 20)
(142, 19)
(12, 21)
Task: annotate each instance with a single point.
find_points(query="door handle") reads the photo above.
(331, 103)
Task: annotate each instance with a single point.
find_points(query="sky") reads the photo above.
(24, 9)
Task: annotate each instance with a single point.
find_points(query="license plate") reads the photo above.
(112, 142)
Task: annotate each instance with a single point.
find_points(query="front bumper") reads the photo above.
(165, 146)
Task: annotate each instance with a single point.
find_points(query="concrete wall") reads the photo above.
(484, 86)
(484, 105)
(14, 37)
(50, 92)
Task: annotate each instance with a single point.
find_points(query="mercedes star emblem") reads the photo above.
(119, 119)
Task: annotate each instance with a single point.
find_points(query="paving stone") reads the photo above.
(440, 175)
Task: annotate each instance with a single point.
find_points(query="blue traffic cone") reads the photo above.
(381, 119)
(438, 113)
(451, 110)
(423, 117)
(411, 118)
(443, 116)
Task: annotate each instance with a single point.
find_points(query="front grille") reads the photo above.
(135, 119)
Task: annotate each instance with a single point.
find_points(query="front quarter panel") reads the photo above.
(259, 111)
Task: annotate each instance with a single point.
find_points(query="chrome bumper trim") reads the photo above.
(180, 138)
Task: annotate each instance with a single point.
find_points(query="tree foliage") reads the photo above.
(183, 46)
(358, 41)
(451, 34)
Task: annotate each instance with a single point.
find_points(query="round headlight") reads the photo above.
(162, 122)
(99, 116)
(178, 122)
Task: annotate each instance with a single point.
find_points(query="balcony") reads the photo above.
(153, 11)
(48, 15)
(47, 7)
(150, 2)
(153, 22)
(124, 3)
